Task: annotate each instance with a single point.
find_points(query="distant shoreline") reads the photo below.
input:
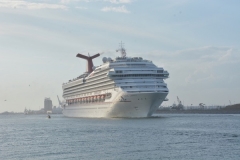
(10, 113)
(231, 109)
(212, 111)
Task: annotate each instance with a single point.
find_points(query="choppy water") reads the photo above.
(177, 136)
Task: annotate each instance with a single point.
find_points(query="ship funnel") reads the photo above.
(89, 61)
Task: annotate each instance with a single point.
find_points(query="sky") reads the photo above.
(197, 42)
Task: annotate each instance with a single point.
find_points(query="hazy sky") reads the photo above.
(197, 42)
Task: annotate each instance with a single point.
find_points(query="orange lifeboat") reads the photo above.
(95, 98)
(87, 99)
(92, 98)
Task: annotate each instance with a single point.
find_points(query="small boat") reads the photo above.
(49, 116)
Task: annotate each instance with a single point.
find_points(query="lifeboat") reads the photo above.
(89, 99)
(101, 98)
(95, 98)
(92, 98)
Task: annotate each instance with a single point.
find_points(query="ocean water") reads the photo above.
(165, 136)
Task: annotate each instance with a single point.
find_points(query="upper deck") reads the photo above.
(121, 67)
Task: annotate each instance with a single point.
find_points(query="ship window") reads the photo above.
(138, 75)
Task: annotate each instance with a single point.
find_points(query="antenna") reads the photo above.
(122, 50)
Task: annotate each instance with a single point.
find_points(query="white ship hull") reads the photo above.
(133, 105)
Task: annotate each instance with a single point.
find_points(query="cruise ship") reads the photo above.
(121, 87)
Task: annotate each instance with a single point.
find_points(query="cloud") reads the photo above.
(206, 63)
(119, 1)
(200, 73)
(206, 53)
(69, 1)
(121, 9)
(30, 5)
(226, 56)
(83, 8)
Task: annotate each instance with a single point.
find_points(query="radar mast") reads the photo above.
(122, 50)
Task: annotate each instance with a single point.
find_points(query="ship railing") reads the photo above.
(79, 77)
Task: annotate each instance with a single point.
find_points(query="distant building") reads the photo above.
(57, 110)
(47, 105)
